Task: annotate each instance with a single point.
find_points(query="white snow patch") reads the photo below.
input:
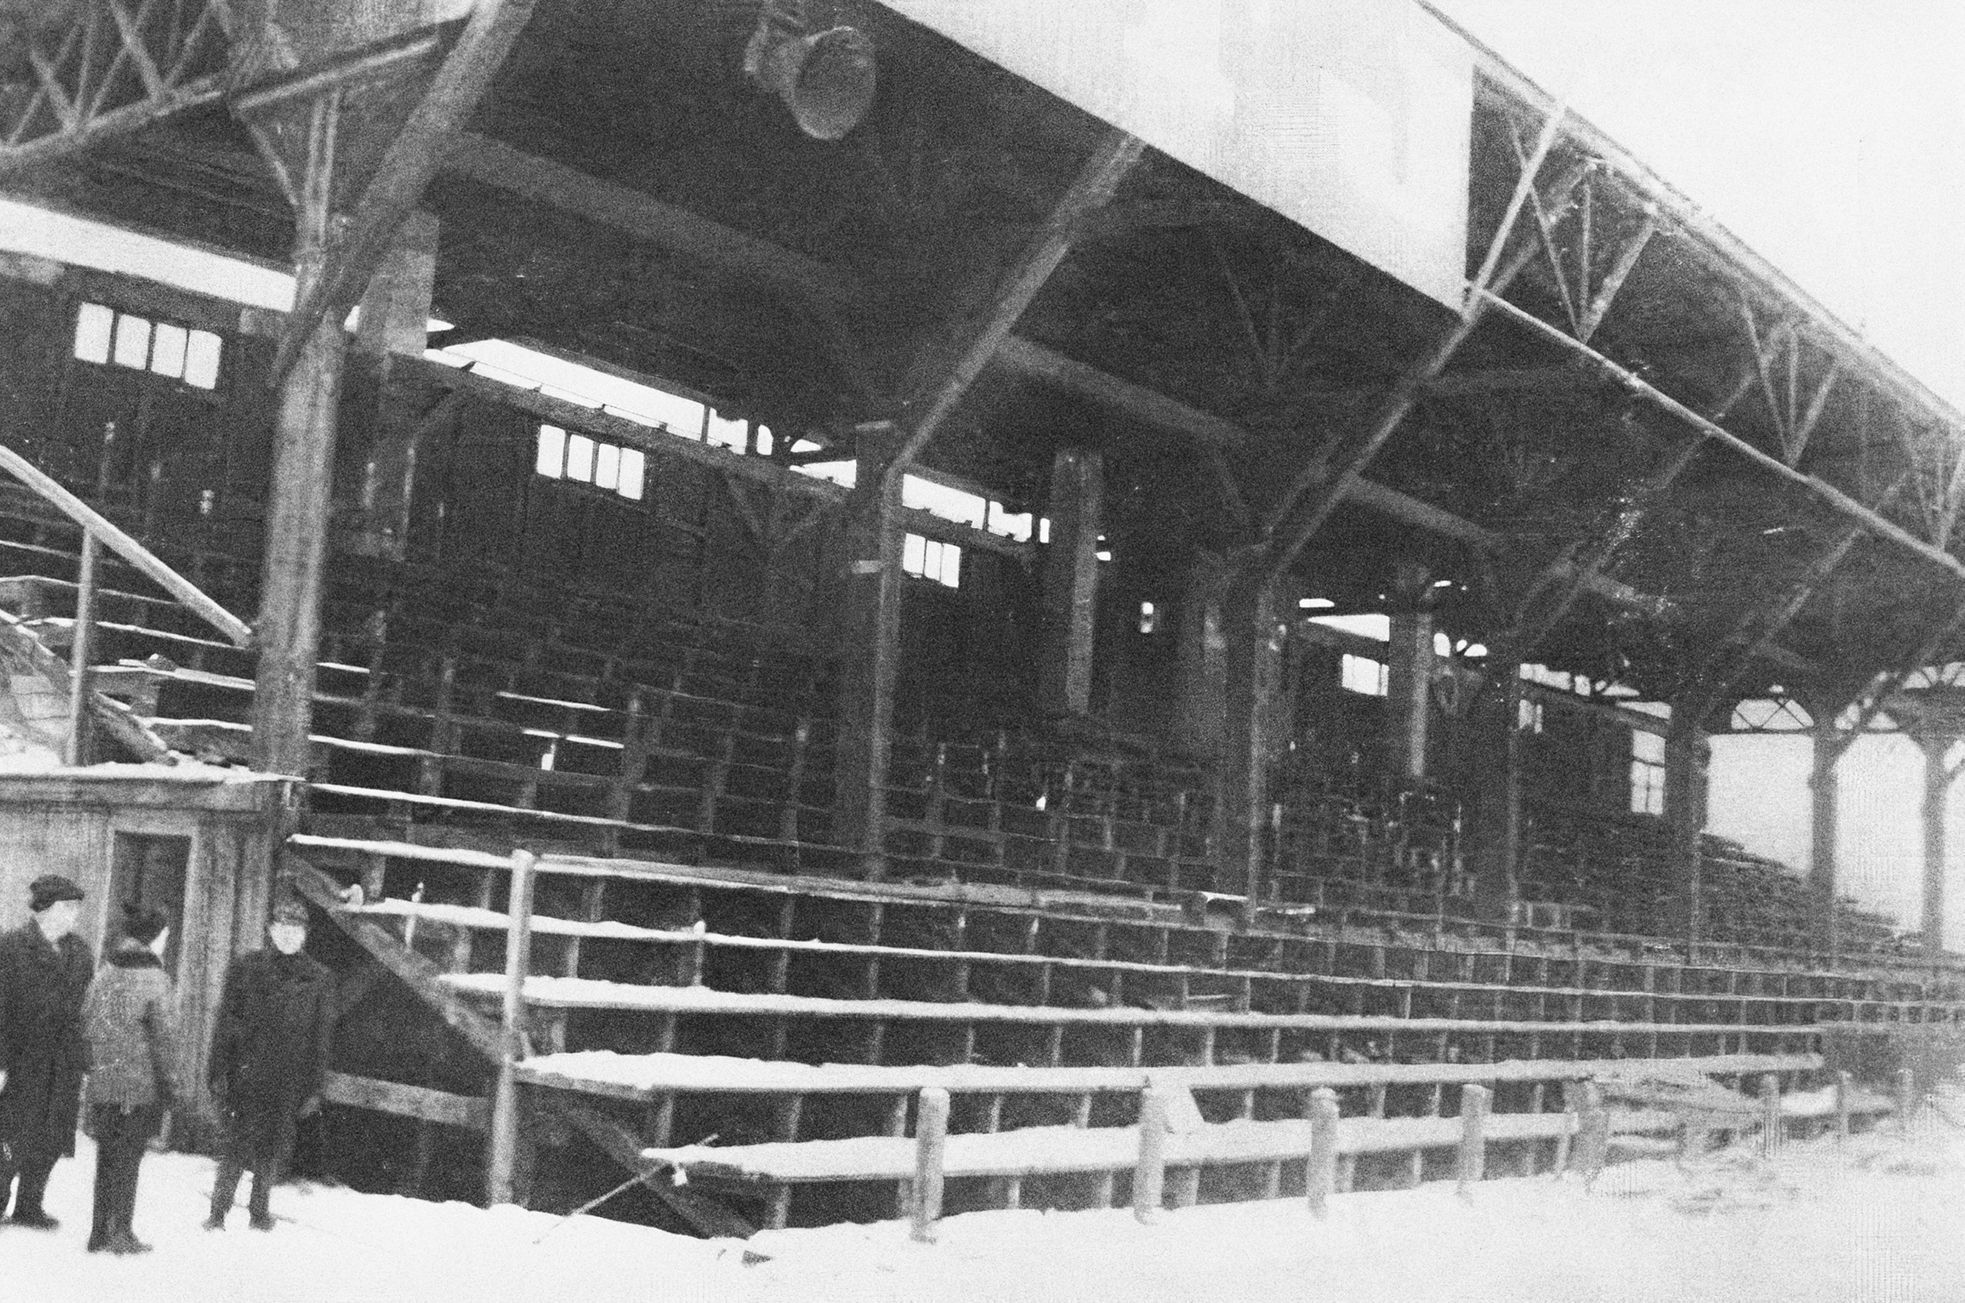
(1880, 1219)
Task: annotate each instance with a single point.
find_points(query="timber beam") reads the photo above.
(1836, 499)
(410, 161)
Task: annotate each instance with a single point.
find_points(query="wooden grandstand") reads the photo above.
(713, 810)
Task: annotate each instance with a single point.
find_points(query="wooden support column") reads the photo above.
(1409, 696)
(869, 647)
(1825, 804)
(1937, 796)
(1686, 751)
(1254, 676)
(394, 323)
(298, 498)
(1071, 581)
(1495, 784)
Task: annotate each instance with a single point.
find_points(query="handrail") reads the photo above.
(128, 548)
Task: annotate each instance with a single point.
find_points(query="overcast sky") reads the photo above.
(1827, 134)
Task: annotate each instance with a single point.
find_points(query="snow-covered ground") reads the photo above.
(1882, 1219)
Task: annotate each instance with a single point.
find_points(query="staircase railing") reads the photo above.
(98, 531)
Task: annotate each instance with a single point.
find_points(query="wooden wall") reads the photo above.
(66, 821)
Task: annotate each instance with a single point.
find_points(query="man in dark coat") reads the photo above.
(268, 1055)
(44, 977)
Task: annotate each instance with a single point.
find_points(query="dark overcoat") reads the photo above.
(270, 1044)
(42, 988)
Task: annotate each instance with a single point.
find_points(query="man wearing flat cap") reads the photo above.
(44, 978)
(268, 1058)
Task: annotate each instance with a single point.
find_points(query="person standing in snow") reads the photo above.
(268, 1056)
(44, 977)
(131, 1034)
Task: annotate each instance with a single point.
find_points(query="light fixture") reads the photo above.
(823, 70)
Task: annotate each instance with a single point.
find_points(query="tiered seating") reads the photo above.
(1094, 810)
(651, 959)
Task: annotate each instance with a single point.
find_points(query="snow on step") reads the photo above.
(587, 993)
(1102, 1149)
(634, 1075)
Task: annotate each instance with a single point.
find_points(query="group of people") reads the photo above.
(70, 1032)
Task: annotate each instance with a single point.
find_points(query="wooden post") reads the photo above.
(395, 314)
(1843, 1083)
(1474, 1102)
(869, 648)
(1825, 801)
(1254, 672)
(1772, 1127)
(1906, 1083)
(1149, 1173)
(1593, 1134)
(80, 651)
(1409, 687)
(1496, 777)
(298, 496)
(1685, 816)
(1937, 793)
(505, 1102)
(1070, 596)
(930, 1148)
(1321, 1179)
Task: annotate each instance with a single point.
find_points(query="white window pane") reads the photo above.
(1044, 530)
(1008, 524)
(201, 359)
(634, 470)
(727, 433)
(132, 341)
(941, 500)
(552, 451)
(93, 325)
(580, 458)
(913, 552)
(951, 567)
(1647, 746)
(764, 441)
(167, 350)
(607, 466)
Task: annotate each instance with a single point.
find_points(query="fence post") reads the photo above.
(1474, 1099)
(930, 1149)
(1149, 1174)
(505, 1097)
(1593, 1135)
(1773, 1129)
(1906, 1099)
(1321, 1180)
(1843, 1082)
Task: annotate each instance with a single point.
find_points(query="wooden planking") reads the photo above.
(468, 1111)
(639, 1076)
(569, 993)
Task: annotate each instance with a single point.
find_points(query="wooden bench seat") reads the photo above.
(584, 993)
(644, 1076)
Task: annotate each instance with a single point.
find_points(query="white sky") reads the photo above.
(1829, 135)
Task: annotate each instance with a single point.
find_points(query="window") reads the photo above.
(1149, 617)
(932, 559)
(1528, 716)
(1363, 674)
(586, 460)
(105, 336)
(1647, 773)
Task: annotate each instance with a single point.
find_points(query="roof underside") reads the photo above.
(704, 240)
